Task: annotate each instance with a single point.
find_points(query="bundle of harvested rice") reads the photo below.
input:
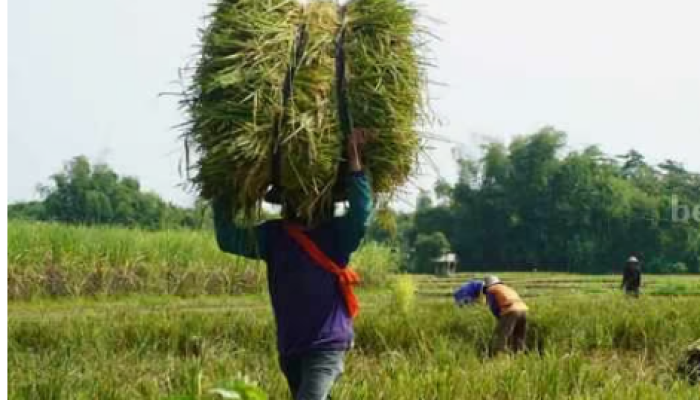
(264, 101)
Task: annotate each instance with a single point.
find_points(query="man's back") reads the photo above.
(310, 285)
(308, 306)
(632, 277)
(309, 310)
(503, 299)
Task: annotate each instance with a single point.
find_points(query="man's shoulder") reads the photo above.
(334, 224)
(501, 288)
(271, 225)
(331, 224)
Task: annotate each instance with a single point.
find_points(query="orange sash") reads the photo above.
(347, 278)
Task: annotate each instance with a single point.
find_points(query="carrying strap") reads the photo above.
(300, 42)
(341, 90)
(341, 83)
(347, 278)
(343, 105)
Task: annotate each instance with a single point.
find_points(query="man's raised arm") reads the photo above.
(359, 195)
(245, 242)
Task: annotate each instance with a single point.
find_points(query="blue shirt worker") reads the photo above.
(308, 280)
(469, 293)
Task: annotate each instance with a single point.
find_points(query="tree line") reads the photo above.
(532, 205)
(529, 204)
(94, 194)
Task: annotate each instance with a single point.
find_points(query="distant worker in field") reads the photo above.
(469, 293)
(511, 312)
(632, 277)
(309, 282)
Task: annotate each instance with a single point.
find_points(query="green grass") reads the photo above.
(54, 260)
(607, 347)
(155, 341)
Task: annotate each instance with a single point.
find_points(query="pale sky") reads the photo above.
(84, 78)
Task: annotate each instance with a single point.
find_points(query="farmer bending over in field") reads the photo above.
(511, 313)
(469, 293)
(632, 277)
(311, 295)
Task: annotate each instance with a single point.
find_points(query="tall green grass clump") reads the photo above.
(375, 263)
(240, 116)
(403, 291)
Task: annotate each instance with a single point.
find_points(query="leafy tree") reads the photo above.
(530, 205)
(424, 201)
(427, 248)
(443, 190)
(82, 193)
(32, 210)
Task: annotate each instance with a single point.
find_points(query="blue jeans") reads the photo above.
(311, 375)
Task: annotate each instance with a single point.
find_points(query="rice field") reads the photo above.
(54, 261)
(587, 340)
(600, 346)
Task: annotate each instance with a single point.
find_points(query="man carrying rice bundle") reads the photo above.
(275, 94)
(309, 282)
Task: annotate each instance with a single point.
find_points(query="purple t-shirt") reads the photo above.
(309, 308)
